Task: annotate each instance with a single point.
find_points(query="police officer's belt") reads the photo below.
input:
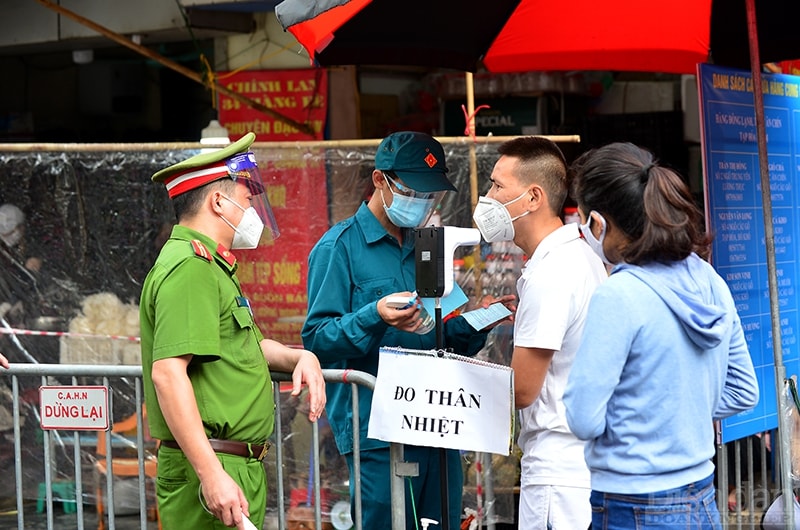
(246, 450)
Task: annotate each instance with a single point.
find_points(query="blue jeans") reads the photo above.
(689, 507)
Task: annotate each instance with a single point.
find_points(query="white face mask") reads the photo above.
(493, 220)
(595, 243)
(247, 233)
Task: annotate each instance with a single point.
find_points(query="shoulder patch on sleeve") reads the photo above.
(201, 250)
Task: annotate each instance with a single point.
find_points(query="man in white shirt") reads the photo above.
(529, 187)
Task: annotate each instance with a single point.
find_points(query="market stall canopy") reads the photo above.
(539, 35)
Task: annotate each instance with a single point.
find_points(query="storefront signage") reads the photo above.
(300, 95)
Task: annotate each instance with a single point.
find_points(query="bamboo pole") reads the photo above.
(784, 436)
(310, 144)
(477, 262)
(172, 65)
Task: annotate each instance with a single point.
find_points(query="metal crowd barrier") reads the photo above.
(748, 480)
(746, 469)
(51, 374)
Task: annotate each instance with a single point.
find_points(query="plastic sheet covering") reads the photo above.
(94, 223)
(790, 408)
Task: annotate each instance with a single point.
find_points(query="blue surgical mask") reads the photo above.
(408, 211)
(596, 244)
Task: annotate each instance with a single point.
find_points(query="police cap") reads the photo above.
(201, 169)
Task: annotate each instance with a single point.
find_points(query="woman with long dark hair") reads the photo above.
(663, 353)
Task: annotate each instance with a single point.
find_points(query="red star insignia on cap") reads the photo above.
(430, 160)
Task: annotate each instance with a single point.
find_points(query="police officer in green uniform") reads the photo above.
(206, 365)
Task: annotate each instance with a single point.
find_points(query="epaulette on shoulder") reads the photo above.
(201, 250)
(342, 226)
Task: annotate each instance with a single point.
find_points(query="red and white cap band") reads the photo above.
(194, 178)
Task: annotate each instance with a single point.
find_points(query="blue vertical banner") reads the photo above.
(735, 216)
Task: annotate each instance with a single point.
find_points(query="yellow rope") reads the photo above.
(256, 61)
(209, 79)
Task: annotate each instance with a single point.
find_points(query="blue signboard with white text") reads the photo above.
(735, 216)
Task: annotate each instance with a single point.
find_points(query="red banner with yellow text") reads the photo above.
(299, 95)
(274, 277)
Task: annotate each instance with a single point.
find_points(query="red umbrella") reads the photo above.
(539, 35)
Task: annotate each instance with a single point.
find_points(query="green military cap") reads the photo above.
(417, 158)
(201, 169)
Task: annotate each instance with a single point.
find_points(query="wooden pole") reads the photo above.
(477, 262)
(172, 65)
(784, 436)
(19, 147)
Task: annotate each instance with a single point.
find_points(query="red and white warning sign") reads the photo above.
(74, 408)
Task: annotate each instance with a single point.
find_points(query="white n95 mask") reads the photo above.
(247, 233)
(493, 220)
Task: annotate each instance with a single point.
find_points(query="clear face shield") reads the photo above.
(242, 168)
(410, 208)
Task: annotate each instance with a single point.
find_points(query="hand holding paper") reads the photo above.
(247, 523)
(483, 317)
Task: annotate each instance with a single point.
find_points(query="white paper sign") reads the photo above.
(79, 408)
(451, 401)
